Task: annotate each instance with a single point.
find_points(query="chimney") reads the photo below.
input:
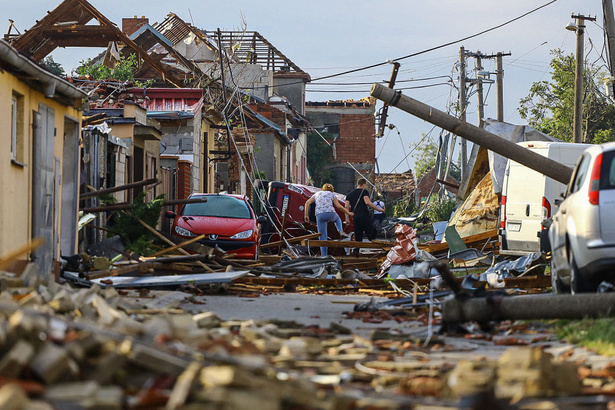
(131, 25)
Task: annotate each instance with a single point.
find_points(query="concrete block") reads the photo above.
(13, 397)
(16, 359)
(207, 320)
(52, 364)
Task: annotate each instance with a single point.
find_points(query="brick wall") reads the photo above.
(131, 25)
(184, 176)
(357, 143)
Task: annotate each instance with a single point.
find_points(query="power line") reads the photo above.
(440, 46)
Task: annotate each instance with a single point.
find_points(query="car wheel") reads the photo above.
(556, 283)
(577, 283)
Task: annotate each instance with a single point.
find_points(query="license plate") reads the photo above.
(514, 226)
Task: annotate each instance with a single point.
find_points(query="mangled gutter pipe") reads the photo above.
(53, 85)
(524, 156)
(526, 307)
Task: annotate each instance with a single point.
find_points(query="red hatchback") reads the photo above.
(228, 221)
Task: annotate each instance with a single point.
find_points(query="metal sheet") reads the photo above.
(157, 281)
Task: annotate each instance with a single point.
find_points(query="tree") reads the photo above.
(123, 71)
(425, 159)
(549, 107)
(50, 65)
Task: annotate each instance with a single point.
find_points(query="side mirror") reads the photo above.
(261, 219)
(170, 214)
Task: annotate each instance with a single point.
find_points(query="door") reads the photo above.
(43, 186)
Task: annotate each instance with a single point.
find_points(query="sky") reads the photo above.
(330, 37)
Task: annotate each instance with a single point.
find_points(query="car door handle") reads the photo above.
(527, 210)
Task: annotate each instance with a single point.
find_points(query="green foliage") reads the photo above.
(136, 237)
(549, 107)
(441, 209)
(424, 157)
(123, 71)
(595, 334)
(50, 65)
(404, 207)
(319, 155)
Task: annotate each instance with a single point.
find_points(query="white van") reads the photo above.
(528, 197)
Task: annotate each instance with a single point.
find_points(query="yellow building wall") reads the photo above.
(16, 179)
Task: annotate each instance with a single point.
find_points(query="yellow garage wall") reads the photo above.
(16, 180)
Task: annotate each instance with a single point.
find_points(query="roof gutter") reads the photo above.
(53, 85)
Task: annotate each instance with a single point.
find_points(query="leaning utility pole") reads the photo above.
(539, 163)
(578, 83)
(479, 89)
(463, 104)
(499, 71)
(609, 26)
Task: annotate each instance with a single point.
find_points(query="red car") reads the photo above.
(228, 221)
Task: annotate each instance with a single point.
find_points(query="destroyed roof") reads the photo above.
(362, 103)
(404, 181)
(176, 30)
(252, 48)
(36, 77)
(67, 26)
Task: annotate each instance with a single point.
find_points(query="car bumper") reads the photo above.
(243, 249)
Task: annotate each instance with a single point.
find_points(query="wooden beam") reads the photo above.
(12, 256)
(290, 240)
(347, 244)
(182, 250)
(180, 245)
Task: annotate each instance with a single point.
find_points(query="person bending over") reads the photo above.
(326, 202)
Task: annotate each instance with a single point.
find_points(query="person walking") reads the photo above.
(325, 202)
(359, 203)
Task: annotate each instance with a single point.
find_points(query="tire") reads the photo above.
(557, 286)
(577, 283)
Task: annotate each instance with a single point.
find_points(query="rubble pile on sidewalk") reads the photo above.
(108, 348)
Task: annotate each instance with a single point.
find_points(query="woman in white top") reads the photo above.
(326, 202)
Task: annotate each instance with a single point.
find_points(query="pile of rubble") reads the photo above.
(89, 348)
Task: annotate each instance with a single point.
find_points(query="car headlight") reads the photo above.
(183, 231)
(243, 235)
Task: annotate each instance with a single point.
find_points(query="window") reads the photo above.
(17, 129)
(218, 206)
(580, 174)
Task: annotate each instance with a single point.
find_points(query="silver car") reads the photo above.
(582, 234)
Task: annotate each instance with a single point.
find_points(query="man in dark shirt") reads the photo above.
(358, 201)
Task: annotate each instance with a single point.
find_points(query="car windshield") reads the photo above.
(219, 206)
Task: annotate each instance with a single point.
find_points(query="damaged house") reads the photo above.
(40, 176)
(353, 148)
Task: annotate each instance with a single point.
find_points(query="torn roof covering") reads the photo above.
(362, 103)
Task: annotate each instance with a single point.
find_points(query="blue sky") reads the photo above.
(328, 37)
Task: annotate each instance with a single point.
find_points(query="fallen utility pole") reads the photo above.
(545, 306)
(493, 142)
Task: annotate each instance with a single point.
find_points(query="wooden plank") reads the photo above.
(180, 245)
(12, 256)
(437, 247)
(290, 240)
(536, 282)
(116, 271)
(346, 244)
(93, 194)
(162, 237)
